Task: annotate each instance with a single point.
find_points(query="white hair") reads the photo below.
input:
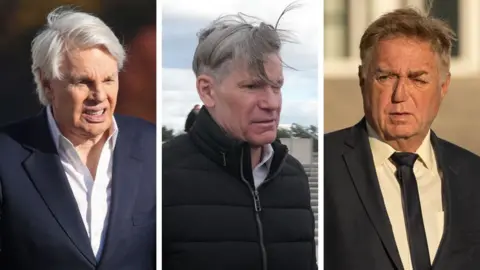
(69, 29)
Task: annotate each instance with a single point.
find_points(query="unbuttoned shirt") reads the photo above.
(92, 195)
(260, 172)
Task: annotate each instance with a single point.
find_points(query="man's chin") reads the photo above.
(400, 133)
(95, 129)
(262, 139)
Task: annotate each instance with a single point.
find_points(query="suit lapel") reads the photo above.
(359, 161)
(448, 175)
(127, 168)
(46, 172)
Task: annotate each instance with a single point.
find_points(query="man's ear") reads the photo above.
(361, 79)
(46, 86)
(205, 89)
(445, 85)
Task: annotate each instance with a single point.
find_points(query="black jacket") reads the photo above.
(214, 219)
(192, 115)
(358, 234)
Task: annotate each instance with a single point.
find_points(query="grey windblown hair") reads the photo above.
(234, 37)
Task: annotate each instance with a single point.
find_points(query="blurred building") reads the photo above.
(345, 22)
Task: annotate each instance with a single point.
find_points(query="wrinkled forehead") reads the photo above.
(403, 54)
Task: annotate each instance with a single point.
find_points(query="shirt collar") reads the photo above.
(267, 156)
(58, 137)
(382, 151)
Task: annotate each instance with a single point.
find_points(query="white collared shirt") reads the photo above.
(92, 195)
(260, 172)
(429, 190)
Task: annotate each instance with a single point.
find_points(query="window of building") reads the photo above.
(341, 52)
(447, 10)
(336, 29)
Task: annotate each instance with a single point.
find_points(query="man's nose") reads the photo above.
(98, 93)
(400, 90)
(271, 98)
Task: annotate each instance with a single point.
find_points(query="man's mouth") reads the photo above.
(95, 112)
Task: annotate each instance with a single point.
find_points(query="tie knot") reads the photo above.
(404, 158)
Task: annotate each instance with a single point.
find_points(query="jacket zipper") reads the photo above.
(258, 207)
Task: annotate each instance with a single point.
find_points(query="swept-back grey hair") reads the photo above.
(67, 29)
(233, 37)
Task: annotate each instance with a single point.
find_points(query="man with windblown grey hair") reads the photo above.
(77, 183)
(233, 198)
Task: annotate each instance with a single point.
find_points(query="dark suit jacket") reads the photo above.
(40, 225)
(358, 233)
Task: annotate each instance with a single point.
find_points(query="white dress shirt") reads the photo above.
(92, 195)
(260, 172)
(429, 190)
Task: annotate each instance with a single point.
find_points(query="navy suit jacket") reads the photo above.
(40, 225)
(357, 229)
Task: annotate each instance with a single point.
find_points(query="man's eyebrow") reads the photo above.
(412, 73)
(80, 77)
(84, 77)
(385, 71)
(417, 73)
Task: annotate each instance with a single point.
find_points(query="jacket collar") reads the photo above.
(228, 152)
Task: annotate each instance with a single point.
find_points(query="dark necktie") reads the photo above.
(412, 210)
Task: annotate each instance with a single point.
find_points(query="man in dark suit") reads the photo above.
(77, 184)
(396, 195)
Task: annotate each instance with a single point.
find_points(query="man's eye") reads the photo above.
(252, 86)
(420, 81)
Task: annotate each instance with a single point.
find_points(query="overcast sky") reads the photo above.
(182, 19)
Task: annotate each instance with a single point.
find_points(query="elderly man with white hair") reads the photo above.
(77, 184)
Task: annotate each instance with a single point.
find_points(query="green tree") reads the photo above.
(283, 133)
(299, 131)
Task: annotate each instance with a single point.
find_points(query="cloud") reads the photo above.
(182, 19)
(303, 112)
(178, 79)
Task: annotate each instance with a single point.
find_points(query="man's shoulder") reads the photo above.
(178, 150)
(334, 142)
(338, 135)
(459, 153)
(14, 136)
(16, 130)
(179, 145)
(131, 123)
(292, 165)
